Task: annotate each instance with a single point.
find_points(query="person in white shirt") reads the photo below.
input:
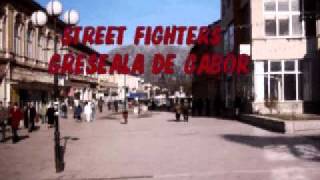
(88, 111)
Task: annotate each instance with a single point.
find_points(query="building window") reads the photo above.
(229, 39)
(282, 18)
(17, 39)
(270, 5)
(2, 32)
(40, 47)
(29, 42)
(50, 49)
(295, 5)
(278, 80)
(283, 5)
(271, 26)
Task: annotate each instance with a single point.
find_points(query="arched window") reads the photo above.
(29, 42)
(2, 32)
(40, 47)
(17, 35)
(50, 48)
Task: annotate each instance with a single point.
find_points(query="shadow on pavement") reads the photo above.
(300, 147)
(9, 138)
(64, 147)
(36, 128)
(110, 118)
(218, 118)
(21, 138)
(66, 139)
(145, 115)
(175, 121)
(6, 139)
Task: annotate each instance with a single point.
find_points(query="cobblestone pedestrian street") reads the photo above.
(154, 146)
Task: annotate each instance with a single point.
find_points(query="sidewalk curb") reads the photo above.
(271, 124)
(282, 126)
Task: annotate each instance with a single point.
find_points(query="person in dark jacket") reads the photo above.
(116, 107)
(100, 104)
(50, 115)
(64, 110)
(78, 112)
(32, 117)
(109, 105)
(185, 110)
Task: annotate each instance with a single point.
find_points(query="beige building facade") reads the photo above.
(25, 51)
(284, 51)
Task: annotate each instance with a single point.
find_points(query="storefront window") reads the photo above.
(275, 87)
(290, 90)
(281, 82)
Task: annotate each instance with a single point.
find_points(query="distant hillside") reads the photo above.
(174, 81)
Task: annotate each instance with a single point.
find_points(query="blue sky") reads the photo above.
(132, 13)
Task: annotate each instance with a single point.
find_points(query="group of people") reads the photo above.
(113, 104)
(88, 108)
(182, 107)
(12, 115)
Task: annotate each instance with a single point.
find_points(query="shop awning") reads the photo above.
(137, 95)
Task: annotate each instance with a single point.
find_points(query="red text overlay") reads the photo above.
(211, 64)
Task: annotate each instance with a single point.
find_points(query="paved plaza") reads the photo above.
(154, 146)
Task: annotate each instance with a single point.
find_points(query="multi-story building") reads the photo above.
(280, 37)
(122, 83)
(24, 54)
(206, 90)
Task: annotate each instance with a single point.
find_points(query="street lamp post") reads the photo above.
(39, 18)
(125, 111)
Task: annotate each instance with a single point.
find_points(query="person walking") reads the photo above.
(77, 112)
(185, 110)
(168, 104)
(50, 115)
(32, 117)
(100, 104)
(43, 112)
(15, 118)
(88, 111)
(109, 105)
(93, 113)
(64, 110)
(3, 119)
(26, 110)
(178, 110)
(116, 107)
